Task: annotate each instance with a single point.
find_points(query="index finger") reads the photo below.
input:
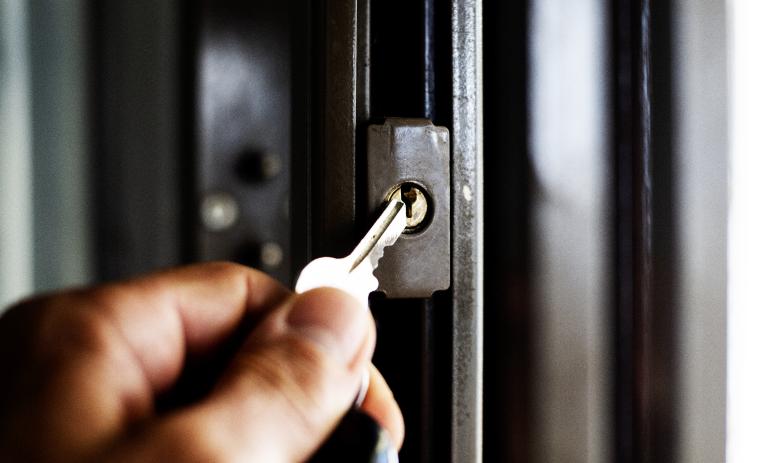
(162, 317)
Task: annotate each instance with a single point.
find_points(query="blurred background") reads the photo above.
(623, 169)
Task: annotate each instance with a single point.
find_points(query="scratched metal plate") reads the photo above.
(413, 150)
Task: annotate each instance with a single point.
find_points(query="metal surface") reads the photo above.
(138, 169)
(413, 150)
(569, 238)
(244, 115)
(467, 237)
(507, 431)
(343, 109)
(632, 190)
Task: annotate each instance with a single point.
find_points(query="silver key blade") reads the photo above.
(354, 273)
(384, 232)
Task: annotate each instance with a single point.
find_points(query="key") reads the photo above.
(358, 438)
(354, 273)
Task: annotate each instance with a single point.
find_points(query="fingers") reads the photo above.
(164, 315)
(284, 392)
(380, 405)
(286, 389)
(98, 356)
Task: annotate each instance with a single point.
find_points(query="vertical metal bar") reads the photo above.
(303, 54)
(467, 232)
(429, 59)
(343, 106)
(662, 336)
(507, 433)
(632, 225)
(428, 381)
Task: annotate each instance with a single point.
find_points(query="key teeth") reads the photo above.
(362, 281)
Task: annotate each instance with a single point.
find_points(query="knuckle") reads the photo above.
(70, 322)
(80, 329)
(107, 297)
(224, 268)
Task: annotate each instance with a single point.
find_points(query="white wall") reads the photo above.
(748, 240)
(62, 238)
(45, 239)
(16, 257)
(701, 119)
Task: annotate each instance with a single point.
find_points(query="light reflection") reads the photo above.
(748, 240)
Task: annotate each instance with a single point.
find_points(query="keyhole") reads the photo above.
(409, 196)
(417, 206)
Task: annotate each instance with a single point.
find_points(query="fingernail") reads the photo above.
(333, 319)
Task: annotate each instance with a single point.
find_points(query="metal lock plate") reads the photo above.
(416, 153)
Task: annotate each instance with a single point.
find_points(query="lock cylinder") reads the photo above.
(417, 205)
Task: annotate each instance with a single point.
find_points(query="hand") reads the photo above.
(83, 371)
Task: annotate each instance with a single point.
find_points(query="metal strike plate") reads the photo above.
(417, 153)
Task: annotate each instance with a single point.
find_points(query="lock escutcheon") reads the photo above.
(410, 157)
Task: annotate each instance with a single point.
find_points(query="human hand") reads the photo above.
(84, 370)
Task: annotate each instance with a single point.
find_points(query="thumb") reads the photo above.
(298, 374)
(295, 377)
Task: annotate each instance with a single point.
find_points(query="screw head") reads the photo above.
(219, 211)
(270, 165)
(417, 205)
(271, 254)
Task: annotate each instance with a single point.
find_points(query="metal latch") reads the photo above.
(411, 158)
